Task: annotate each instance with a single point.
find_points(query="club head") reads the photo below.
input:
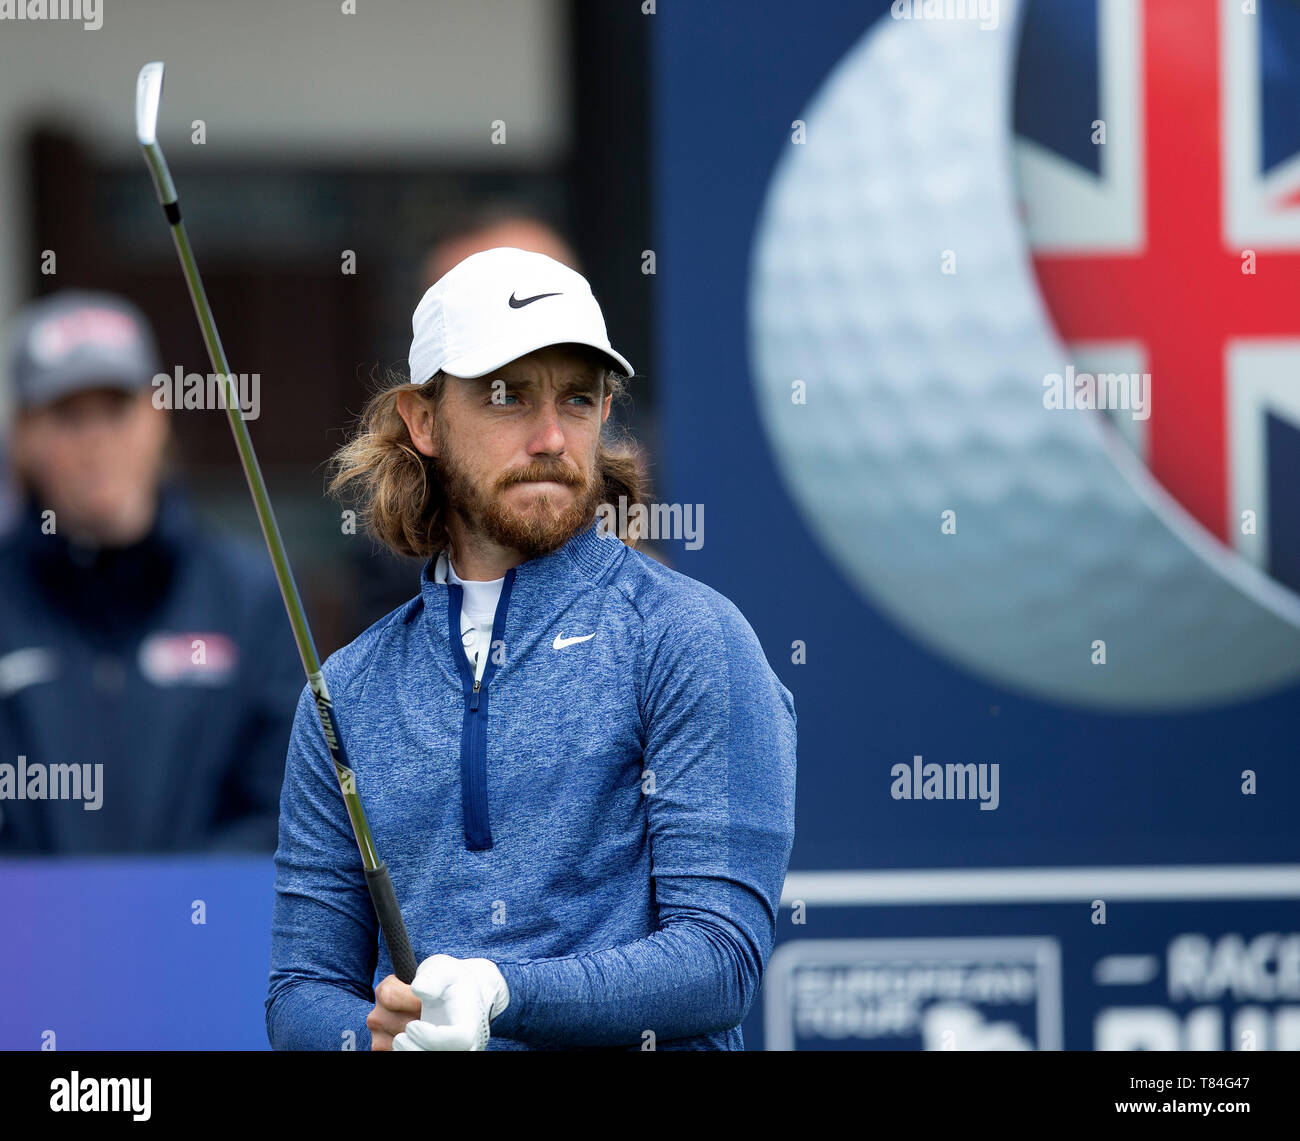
(148, 97)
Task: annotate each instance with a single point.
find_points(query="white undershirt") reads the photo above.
(478, 608)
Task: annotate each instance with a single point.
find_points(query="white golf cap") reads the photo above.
(501, 304)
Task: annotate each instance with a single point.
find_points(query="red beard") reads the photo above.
(536, 531)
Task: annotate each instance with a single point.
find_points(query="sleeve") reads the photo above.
(720, 750)
(324, 936)
(245, 818)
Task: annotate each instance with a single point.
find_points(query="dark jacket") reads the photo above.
(170, 663)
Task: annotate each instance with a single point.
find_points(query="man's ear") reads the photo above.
(418, 415)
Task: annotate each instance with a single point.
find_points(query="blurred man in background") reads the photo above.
(148, 676)
(383, 579)
(499, 223)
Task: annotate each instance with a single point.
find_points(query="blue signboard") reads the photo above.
(990, 463)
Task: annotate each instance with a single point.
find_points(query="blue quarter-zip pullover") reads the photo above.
(607, 815)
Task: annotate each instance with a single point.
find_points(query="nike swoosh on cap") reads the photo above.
(561, 641)
(520, 302)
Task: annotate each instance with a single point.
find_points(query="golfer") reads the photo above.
(577, 763)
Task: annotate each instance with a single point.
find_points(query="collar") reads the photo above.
(173, 530)
(589, 553)
(110, 589)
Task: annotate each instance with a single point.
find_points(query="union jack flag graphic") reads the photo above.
(1158, 158)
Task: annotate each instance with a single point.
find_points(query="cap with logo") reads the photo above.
(74, 341)
(501, 304)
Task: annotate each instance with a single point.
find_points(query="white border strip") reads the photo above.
(1043, 885)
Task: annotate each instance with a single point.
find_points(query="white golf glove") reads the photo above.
(458, 1000)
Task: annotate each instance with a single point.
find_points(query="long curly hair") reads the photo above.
(398, 494)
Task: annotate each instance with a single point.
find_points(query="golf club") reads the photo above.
(148, 96)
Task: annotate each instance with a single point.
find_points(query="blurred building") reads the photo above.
(313, 196)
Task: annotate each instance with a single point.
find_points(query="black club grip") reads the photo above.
(390, 922)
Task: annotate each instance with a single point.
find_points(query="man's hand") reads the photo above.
(395, 1005)
(457, 1000)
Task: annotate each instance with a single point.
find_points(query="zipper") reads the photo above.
(478, 834)
(473, 750)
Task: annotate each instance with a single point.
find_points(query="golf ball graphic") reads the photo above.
(923, 395)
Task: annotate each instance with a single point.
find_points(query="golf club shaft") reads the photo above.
(377, 877)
